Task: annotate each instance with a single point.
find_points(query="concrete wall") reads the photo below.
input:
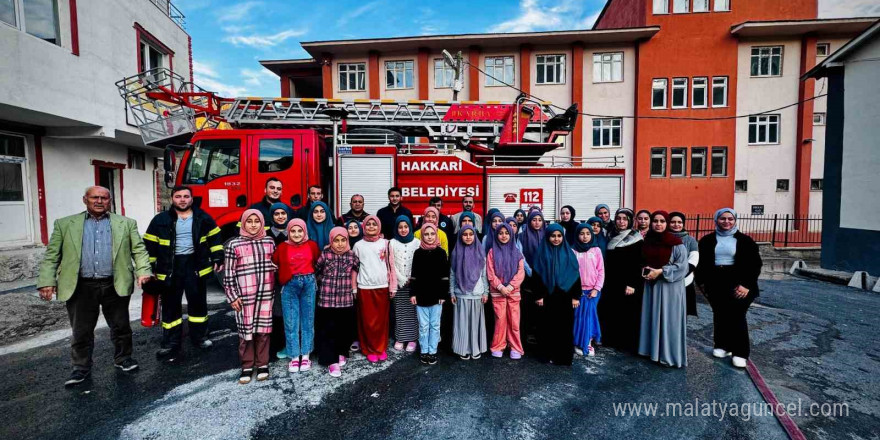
(445, 93)
(762, 165)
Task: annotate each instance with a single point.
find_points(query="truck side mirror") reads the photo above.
(296, 200)
(169, 160)
(169, 178)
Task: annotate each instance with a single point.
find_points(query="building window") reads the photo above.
(781, 185)
(719, 91)
(818, 118)
(740, 186)
(679, 92)
(398, 74)
(722, 5)
(500, 71)
(661, 6)
(766, 61)
(698, 162)
(551, 69)
(719, 161)
(352, 77)
(680, 6)
(608, 67)
(152, 57)
(137, 160)
(699, 92)
(658, 162)
(606, 132)
(678, 162)
(658, 93)
(36, 17)
(823, 49)
(817, 184)
(444, 75)
(701, 5)
(763, 129)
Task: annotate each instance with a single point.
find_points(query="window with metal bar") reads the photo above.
(550, 69)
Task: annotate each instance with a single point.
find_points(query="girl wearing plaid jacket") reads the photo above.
(249, 282)
(335, 317)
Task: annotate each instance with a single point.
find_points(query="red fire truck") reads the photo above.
(499, 153)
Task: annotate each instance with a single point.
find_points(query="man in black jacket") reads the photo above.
(444, 221)
(315, 195)
(356, 212)
(389, 214)
(185, 247)
(273, 191)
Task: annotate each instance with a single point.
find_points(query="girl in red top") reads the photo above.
(296, 260)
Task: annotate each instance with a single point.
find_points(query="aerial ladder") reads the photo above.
(169, 109)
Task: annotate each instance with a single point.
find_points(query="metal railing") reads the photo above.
(552, 161)
(780, 230)
(171, 11)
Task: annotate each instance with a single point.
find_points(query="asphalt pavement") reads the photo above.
(812, 341)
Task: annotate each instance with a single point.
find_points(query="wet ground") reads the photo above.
(812, 341)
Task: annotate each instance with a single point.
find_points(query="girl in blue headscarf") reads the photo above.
(493, 221)
(406, 322)
(468, 291)
(558, 292)
(597, 225)
(319, 224)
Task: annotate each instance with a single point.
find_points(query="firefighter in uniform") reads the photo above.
(185, 247)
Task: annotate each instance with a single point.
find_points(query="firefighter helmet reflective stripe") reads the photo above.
(205, 271)
(198, 319)
(172, 324)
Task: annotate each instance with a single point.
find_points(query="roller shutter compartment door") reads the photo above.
(499, 186)
(369, 176)
(583, 193)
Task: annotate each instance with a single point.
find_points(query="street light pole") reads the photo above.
(456, 63)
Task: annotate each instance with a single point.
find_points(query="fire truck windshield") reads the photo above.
(212, 159)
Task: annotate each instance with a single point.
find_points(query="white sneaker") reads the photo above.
(578, 351)
(720, 353)
(739, 362)
(591, 351)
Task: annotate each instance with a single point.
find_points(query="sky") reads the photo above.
(230, 37)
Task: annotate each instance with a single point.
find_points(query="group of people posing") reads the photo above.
(303, 282)
(565, 286)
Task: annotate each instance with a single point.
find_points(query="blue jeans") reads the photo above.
(429, 328)
(298, 306)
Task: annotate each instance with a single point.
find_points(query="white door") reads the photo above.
(15, 212)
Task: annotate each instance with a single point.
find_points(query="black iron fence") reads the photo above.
(780, 230)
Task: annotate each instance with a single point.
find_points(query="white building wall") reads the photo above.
(500, 92)
(350, 94)
(611, 98)
(399, 94)
(445, 93)
(762, 165)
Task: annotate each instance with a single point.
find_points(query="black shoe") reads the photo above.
(164, 353)
(169, 355)
(262, 373)
(127, 365)
(77, 377)
(204, 344)
(432, 359)
(425, 359)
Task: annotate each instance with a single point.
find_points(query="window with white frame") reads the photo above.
(661, 6)
(701, 5)
(658, 162)
(606, 132)
(680, 6)
(763, 129)
(550, 68)
(817, 184)
(678, 162)
(398, 74)
(782, 185)
(818, 118)
(500, 71)
(719, 91)
(741, 186)
(352, 77)
(679, 92)
(36, 17)
(658, 93)
(719, 161)
(698, 162)
(722, 5)
(766, 61)
(151, 56)
(823, 49)
(444, 75)
(699, 92)
(608, 67)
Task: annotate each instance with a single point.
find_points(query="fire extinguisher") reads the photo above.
(150, 304)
